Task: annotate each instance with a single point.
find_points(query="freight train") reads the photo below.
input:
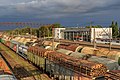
(57, 63)
(51, 62)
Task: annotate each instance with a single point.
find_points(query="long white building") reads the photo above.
(85, 34)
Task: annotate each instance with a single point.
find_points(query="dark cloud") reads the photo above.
(54, 9)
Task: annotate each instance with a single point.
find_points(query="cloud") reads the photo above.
(55, 8)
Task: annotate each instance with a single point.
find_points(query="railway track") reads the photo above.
(22, 69)
(115, 47)
(112, 76)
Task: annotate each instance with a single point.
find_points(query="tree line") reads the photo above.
(42, 31)
(115, 29)
(46, 30)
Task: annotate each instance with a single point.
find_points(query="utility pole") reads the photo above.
(94, 43)
(110, 38)
(53, 38)
(94, 34)
(30, 33)
(47, 32)
(91, 28)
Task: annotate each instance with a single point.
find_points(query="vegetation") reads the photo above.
(42, 31)
(97, 26)
(46, 30)
(114, 26)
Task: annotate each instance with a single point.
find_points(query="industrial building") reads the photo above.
(83, 34)
(59, 33)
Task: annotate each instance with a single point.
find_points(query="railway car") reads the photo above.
(56, 63)
(109, 63)
(89, 50)
(14, 45)
(48, 44)
(8, 43)
(23, 46)
(63, 46)
(3, 40)
(115, 55)
(34, 56)
(22, 51)
(71, 47)
(64, 51)
(6, 40)
(5, 72)
(37, 56)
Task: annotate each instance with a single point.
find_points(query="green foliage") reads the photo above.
(46, 31)
(56, 25)
(38, 33)
(43, 31)
(26, 30)
(97, 26)
(114, 26)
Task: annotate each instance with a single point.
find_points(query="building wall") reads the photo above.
(79, 34)
(101, 33)
(85, 34)
(59, 33)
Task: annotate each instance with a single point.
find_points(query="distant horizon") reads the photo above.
(72, 24)
(10, 27)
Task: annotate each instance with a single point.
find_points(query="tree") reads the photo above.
(46, 30)
(37, 33)
(57, 25)
(114, 26)
(27, 30)
(97, 26)
(16, 31)
(43, 31)
(116, 29)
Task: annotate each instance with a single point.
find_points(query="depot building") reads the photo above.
(83, 34)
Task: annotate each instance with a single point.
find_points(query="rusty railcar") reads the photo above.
(54, 63)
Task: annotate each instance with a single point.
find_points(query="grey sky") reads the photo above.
(58, 8)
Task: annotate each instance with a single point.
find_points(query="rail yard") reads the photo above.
(38, 59)
(59, 40)
(21, 68)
